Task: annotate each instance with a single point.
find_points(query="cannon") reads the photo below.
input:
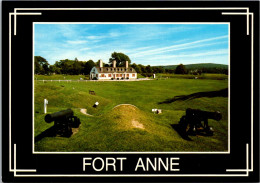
(64, 121)
(191, 123)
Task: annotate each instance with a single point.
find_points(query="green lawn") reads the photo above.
(113, 129)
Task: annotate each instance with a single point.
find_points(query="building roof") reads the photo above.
(115, 70)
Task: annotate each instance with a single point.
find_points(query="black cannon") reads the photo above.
(191, 123)
(64, 121)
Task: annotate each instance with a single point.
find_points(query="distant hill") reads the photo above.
(197, 66)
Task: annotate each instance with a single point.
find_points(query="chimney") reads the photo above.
(114, 63)
(126, 64)
(100, 63)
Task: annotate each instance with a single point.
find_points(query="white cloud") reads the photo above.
(95, 37)
(188, 45)
(76, 41)
(84, 49)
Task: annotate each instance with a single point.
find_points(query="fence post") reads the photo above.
(45, 105)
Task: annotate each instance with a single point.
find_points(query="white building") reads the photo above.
(106, 73)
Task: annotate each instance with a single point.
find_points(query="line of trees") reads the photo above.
(71, 67)
(76, 67)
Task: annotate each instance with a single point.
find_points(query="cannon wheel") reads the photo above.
(209, 131)
(68, 132)
(184, 125)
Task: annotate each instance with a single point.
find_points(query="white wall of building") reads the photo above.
(95, 73)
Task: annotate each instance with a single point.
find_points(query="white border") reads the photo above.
(143, 152)
(248, 14)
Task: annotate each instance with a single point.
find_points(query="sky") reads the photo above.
(147, 44)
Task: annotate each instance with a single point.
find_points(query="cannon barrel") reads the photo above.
(204, 114)
(58, 115)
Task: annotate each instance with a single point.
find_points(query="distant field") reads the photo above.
(120, 129)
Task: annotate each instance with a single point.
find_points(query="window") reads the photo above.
(96, 75)
(117, 75)
(133, 75)
(127, 75)
(120, 75)
(109, 75)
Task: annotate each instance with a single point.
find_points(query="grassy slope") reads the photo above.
(109, 129)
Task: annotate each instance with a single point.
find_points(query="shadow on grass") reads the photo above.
(183, 134)
(50, 132)
(210, 94)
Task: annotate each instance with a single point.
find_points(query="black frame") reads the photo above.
(20, 164)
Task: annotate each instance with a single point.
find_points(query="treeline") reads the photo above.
(148, 71)
(181, 69)
(76, 67)
(71, 67)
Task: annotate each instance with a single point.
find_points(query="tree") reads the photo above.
(148, 69)
(136, 68)
(41, 65)
(88, 66)
(76, 68)
(66, 66)
(180, 69)
(54, 70)
(120, 58)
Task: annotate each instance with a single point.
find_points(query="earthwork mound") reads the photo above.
(127, 116)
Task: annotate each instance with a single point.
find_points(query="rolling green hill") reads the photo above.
(111, 127)
(198, 66)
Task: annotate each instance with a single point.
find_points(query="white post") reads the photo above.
(45, 105)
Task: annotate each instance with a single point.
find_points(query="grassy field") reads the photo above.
(126, 128)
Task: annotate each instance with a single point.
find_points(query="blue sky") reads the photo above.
(147, 44)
